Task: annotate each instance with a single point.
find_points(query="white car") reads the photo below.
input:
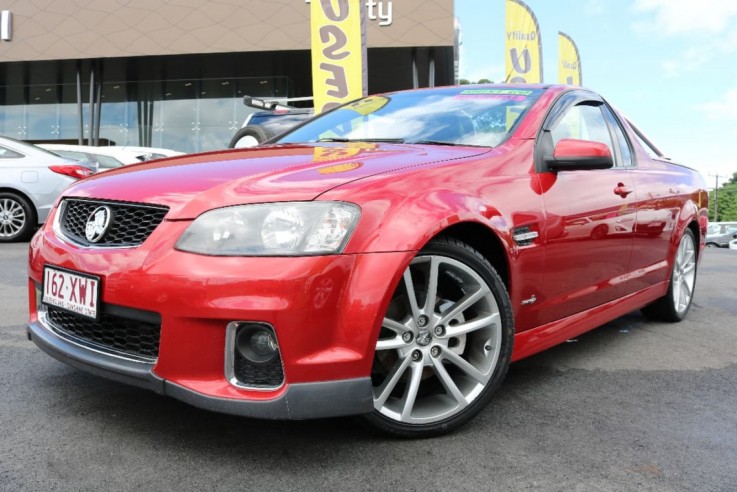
(142, 154)
(112, 156)
(85, 154)
(733, 244)
(31, 179)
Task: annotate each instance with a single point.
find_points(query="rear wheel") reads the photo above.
(674, 305)
(445, 343)
(17, 218)
(250, 136)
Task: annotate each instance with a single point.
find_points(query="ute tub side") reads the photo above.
(678, 192)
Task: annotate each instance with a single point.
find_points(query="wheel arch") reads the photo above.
(688, 220)
(471, 231)
(484, 240)
(694, 226)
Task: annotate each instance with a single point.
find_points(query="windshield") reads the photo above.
(447, 116)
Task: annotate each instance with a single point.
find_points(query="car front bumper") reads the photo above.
(326, 313)
(298, 401)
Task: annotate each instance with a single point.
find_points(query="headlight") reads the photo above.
(273, 229)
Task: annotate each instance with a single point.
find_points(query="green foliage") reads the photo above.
(464, 82)
(485, 81)
(727, 196)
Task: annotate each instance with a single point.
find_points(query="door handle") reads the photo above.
(622, 190)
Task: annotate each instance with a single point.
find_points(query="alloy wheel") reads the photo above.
(684, 274)
(439, 345)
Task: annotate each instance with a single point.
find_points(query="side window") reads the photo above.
(72, 154)
(625, 151)
(107, 162)
(583, 122)
(6, 153)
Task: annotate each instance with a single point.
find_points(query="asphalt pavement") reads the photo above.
(633, 405)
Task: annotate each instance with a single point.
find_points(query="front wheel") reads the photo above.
(445, 343)
(674, 305)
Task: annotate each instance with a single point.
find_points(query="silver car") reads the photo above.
(719, 234)
(30, 180)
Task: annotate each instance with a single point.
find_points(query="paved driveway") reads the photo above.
(633, 405)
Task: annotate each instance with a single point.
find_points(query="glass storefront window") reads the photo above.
(43, 112)
(118, 114)
(185, 115)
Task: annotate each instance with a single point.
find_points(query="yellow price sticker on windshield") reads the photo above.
(369, 105)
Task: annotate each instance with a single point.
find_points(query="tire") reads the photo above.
(712, 245)
(437, 364)
(17, 218)
(674, 305)
(250, 136)
(600, 231)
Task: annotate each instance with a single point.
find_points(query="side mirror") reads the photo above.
(572, 154)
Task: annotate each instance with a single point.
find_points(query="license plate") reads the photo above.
(72, 291)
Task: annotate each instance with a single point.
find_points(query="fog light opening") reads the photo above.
(256, 343)
(252, 356)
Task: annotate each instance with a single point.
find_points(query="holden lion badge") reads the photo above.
(97, 224)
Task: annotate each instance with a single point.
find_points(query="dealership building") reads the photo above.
(172, 73)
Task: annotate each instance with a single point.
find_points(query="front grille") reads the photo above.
(130, 223)
(114, 334)
(269, 374)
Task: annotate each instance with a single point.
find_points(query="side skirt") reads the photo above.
(535, 340)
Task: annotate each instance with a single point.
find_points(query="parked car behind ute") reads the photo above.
(272, 120)
(719, 234)
(31, 179)
(110, 157)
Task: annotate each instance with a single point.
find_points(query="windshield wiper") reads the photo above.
(379, 140)
(434, 142)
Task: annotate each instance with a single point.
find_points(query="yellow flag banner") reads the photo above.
(524, 51)
(338, 38)
(569, 61)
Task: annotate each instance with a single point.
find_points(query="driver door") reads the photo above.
(590, 216)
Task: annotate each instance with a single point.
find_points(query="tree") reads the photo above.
(485, 81)
(727, 196)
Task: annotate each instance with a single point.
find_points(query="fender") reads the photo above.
(399, 214)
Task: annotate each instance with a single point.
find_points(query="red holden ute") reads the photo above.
(387, 259)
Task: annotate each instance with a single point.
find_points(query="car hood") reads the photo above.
(192, 184)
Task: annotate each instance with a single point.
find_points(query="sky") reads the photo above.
(669, 65)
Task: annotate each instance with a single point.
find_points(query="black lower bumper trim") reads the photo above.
(125, 371)
(298, 402)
